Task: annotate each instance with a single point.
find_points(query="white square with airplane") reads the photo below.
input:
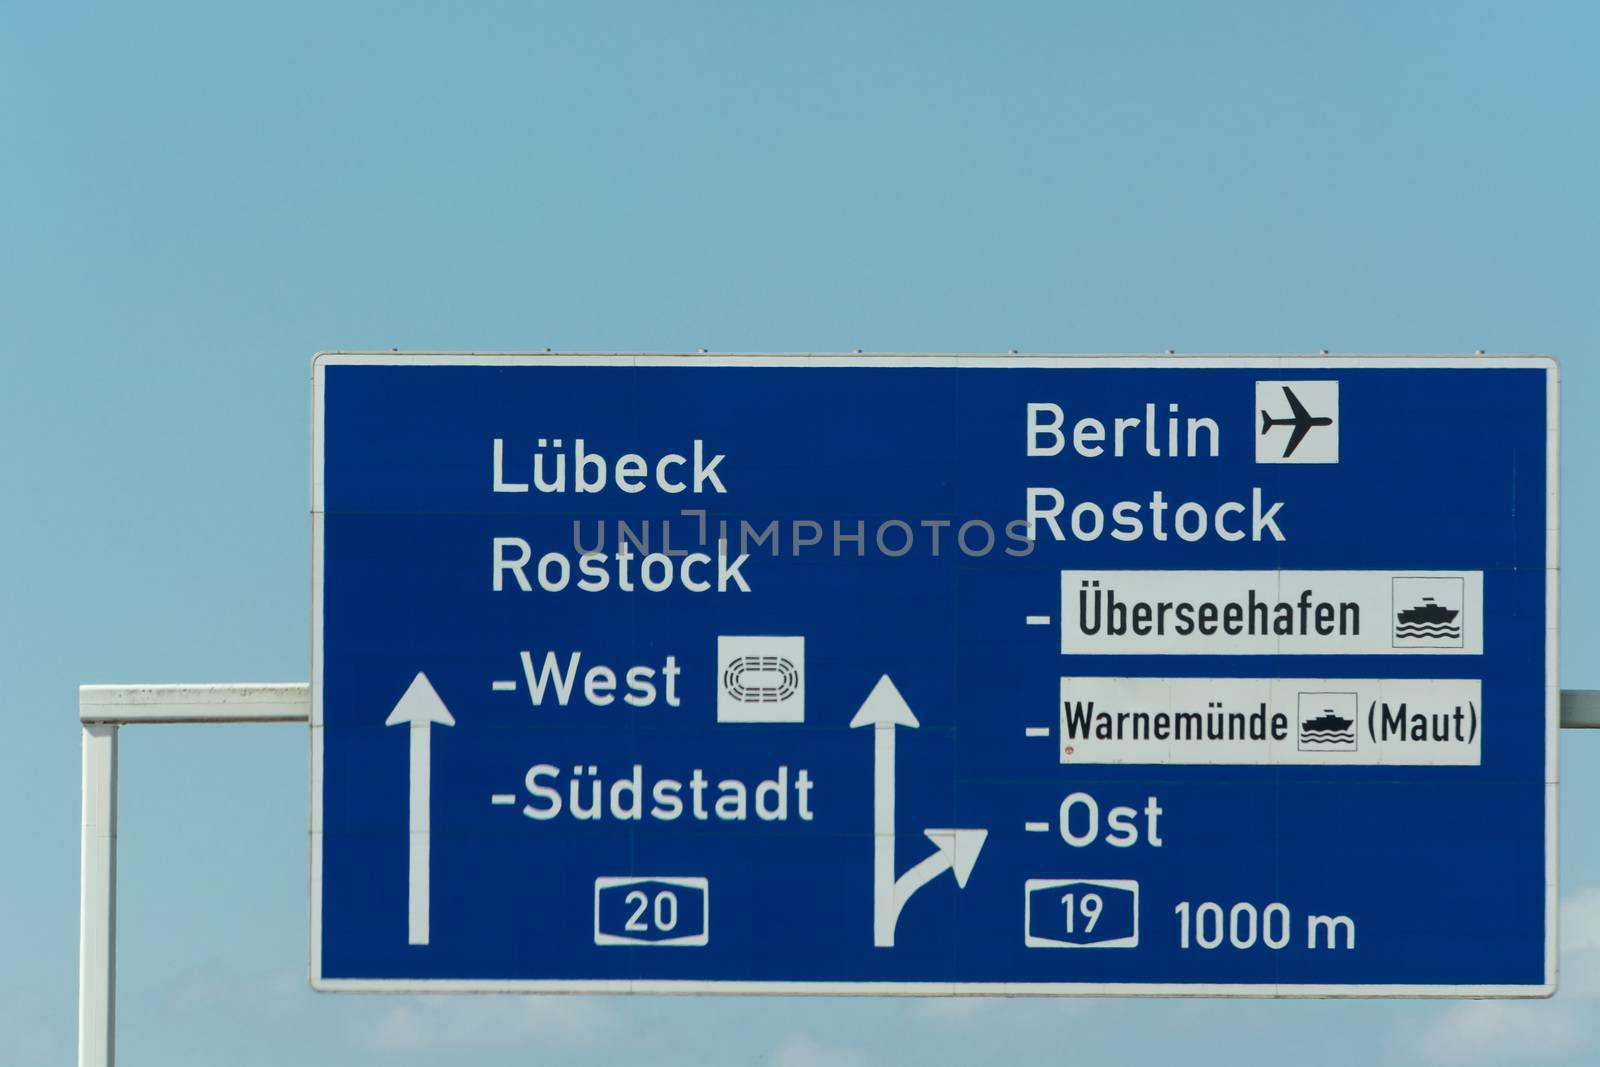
(1297, 422)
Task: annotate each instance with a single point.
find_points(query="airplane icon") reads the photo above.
(1302, 421)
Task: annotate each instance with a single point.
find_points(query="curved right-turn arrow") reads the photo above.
(955, 850)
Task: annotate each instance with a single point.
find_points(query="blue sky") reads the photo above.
(198, 197)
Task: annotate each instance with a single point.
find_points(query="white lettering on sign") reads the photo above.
(586, 795)
(1155, 518)
(1161, 431)
(599, 683)
(549, 470)
(514, 568)
(1156, 433)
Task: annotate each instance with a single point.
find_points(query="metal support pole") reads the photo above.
(97, 915)
(103, 709)
(1580, 709)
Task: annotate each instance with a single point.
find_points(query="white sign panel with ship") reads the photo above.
(1358, 721)
(1268, 613)
(1429, 612)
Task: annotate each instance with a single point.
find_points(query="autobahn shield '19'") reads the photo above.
(934, 675)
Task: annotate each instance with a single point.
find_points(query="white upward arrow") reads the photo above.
(955, 850)
(421, 707)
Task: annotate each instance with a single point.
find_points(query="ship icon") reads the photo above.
(1427, 613)
(1428, 620)
(1327, 722)
(1327, 730)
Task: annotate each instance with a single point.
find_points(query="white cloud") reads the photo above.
(435, 1023)
(1497, 1031)
(1516, 1032)
(950, 1010)
(1580, 920)
(199, 990)
(798, 1050)
(405, 1024)
(23, 1036)
(1580, 944)
(992, 1011)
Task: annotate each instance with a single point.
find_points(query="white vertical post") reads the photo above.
(102, 708)
(97, 916)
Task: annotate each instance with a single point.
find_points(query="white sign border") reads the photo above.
(323, 360)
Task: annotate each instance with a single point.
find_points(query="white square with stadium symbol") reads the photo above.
(761, 679)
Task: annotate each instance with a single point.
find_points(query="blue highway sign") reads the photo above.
(937, 675)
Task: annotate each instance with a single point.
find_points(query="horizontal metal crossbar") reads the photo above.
(1580, 709)
(291, 702)
(246, 702)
